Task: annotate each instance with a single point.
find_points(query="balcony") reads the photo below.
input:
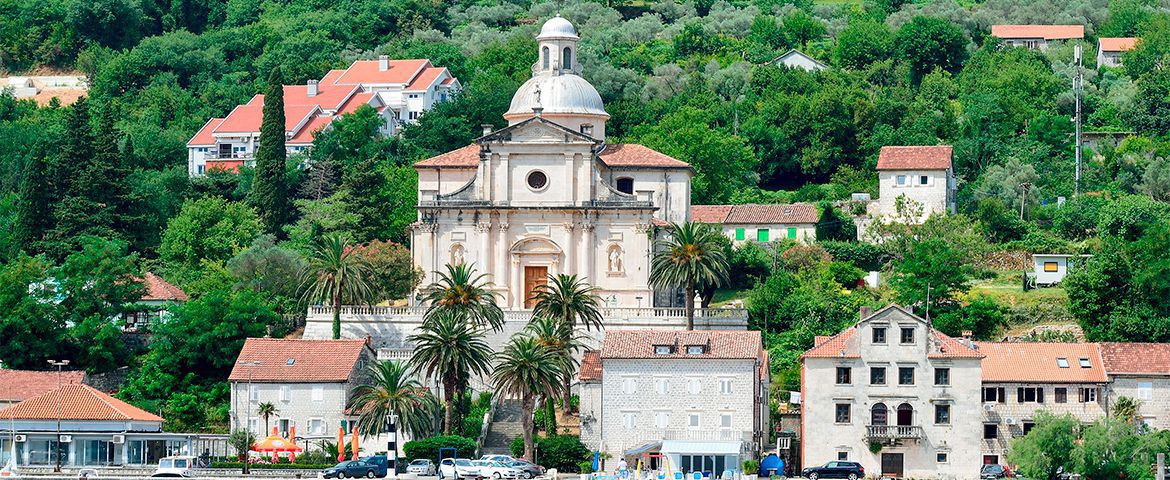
(893, 432)
(707, 435)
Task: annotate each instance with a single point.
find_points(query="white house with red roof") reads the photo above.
(1110, 49)
(400, 90)
(761, 223)
(152, 307)
(1036, 36)
(914, 182)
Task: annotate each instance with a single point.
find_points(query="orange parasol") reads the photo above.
(355, 442)
(292, 438)
(340, 444)
(275, 444)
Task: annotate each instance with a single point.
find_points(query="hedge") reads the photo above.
(562, 452)
(272, 466)
(428, 448)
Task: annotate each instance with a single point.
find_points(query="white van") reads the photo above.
(179, 466)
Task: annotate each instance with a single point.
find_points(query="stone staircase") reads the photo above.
(507, 424)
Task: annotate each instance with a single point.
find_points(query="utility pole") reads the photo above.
(1023, 197)
(57, 444)
(1078, 83)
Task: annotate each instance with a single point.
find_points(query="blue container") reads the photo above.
(771, 466)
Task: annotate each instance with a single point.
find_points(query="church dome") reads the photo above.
(557, 27)
(558, 94)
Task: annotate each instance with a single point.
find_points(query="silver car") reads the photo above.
(421, 466)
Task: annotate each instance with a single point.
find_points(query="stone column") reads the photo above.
(516, 287)
(505, 176)
(483, 230)
(589, 250)
(430, 230)
(572, 249)
(501, 264)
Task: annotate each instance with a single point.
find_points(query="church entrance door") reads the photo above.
(533, 277)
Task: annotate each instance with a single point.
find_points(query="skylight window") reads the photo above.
(291, 361)
(1062, 362)
(662, 349)
(694, 349)
(1085, 363)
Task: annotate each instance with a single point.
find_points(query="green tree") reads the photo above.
(35, 201)
(1047, 448)
(337, 273)
(96, 284)
(206, 229)
(863, 42)
(450, 346)
(527, 370)
(270, 192)
(689, 257)
(394, 273)
(931, 274)
(463, 294)
(29, 331)
(391, 389)
(266, 410)
(982, 316)
(1113, 448)
(553, 334)
(930, 43)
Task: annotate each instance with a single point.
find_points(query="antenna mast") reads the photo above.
(1078, 81)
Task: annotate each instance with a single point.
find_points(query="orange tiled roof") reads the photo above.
(287, 360)
(78, 402)
(465, 157)
(248, 117)
(356, 101)
(367, 72)
(709, 213)
(1037, 362)
(203, 136)
(306, 134)
(591, 366)
(328, 97)
(1047, 32)
(158, 288)
(20, 385)
(759, 214)
(720, 344)
(936, 157)
(1140, 358)
(1117, 44)
(617, 155)
(836, 346)
(424, 80)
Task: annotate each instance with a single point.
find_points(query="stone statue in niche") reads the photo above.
(615, 258)
(457, 254)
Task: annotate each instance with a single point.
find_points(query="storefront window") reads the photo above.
(46, 451)
(95, 452)
(714, 464)
(148, 452)
(6, 451)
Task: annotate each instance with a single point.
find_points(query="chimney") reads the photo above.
(312, 88)
(967, 334)
(866, 312)
(487, 128)
(383, 63)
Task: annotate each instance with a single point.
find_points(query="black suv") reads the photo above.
(850, 470)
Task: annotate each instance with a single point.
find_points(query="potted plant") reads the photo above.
(751, 468)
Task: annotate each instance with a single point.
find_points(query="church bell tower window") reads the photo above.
(567, 59)
(544, 58)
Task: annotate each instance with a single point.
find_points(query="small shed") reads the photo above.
(1050, 268)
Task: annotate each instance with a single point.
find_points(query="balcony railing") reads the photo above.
(632, 312)
(893, 432)
(707, 434)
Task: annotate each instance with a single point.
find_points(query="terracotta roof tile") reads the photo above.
(709, 213)
(1047, 32)
(915, 158)
(20, 385)
(331, 77)
(835, 346)
(311, 360)
(425, 79)
(159, 289)
(1118, 44)
(306, 134)
(367, 72)
(771, 214)
(720, 344)
(355, 102)
(203, 136)
(328, 97)
(77, 402)
(466, 157)
(1131, 358)
(591, 366)
(1037, 362)
(634, 155)
(248, 117)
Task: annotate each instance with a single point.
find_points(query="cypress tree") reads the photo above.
(34, 207)
(269, 187)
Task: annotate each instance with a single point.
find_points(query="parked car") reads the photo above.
(456, 468)
(995, 471)
(421, 466)
(87, 473)
(179, 466)
(496, 470)
(527, 469)
(380, 463)
(498, 458)
(850, 470)
(350, 469)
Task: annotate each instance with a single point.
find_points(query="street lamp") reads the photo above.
(57, 444)
(248, 412)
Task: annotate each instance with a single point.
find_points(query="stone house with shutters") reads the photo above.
(914, 182)
(1140, 371)
(309, 382)
(700, 398)
(1110, 50)
(1036, 37)
(893, 394)
(761, 223)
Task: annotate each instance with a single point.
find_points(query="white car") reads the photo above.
(421, 466)
(496, 470)
(179, 466)
(455, 468)
(505, 459)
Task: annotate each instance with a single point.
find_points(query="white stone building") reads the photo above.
(309, 382)
(1141, 372)
(761, 223)
(797, 59)
(700, 398)
(1036, 36)
(1110, 49)
(892, 381)
(400, 90)
(914, 182)
(152, 307)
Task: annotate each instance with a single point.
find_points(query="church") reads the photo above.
(547, 194)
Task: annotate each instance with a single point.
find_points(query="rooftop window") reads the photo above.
(1062, 362)
(291, 361)
(695, 349)
(662, 350)
(1085, 363)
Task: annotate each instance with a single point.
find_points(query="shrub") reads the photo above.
(865, 256)
(562, 452)
(846, 274)
(429, 447)
(751, 467)
(585, 467)
(750, 263)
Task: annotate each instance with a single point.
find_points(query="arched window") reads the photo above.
(567, 59)
(625, 185)
(544, 58)
(905, 415)
(878, 414)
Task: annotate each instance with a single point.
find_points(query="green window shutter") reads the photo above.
(791, 232)
(762, 235)
(739, 234)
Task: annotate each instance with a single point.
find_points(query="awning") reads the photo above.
(643, 449)
(699, 447)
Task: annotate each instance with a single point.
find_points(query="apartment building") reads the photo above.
(399, 90)
(895, 395)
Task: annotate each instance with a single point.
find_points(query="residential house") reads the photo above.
(308, 381)
(914, 182)
(19, 385)
(1051, 268)
(400, 90)
(1140, 371)
(699, 398)
(761, 223)
(797, 59)
(1036, 36)
(1110, 49)
(892, 381)
(1095, 140)
(96, 430)
(1021, 379)
(152, 307)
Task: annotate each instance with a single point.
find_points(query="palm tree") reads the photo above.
(692, 256)
(454, 349)
(526, 370)
(266, 410)
(464, 294)
(336, 273)
(551, 333)
(572, 302)
(390, 389)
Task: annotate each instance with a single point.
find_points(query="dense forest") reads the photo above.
(96, 192)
